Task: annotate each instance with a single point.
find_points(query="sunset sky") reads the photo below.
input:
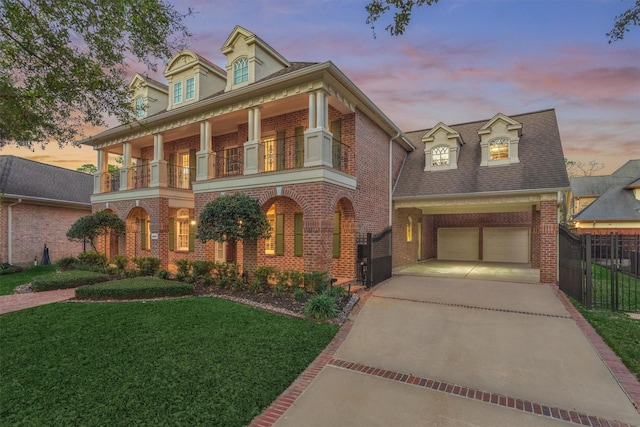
(459, 61)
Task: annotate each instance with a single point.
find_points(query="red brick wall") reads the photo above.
(548, 242)
(33, 226)
(405, 252)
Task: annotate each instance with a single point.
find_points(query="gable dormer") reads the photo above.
(148, 96)
(249, 59)
(441, 148)
(499, 139)
(192, 78)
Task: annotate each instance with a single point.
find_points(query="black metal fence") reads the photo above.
(606, 274)
(374, 258)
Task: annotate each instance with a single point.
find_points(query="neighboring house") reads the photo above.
(607, 204)
(487, 190)
(38, 205)
(299, 137)
(323, 162)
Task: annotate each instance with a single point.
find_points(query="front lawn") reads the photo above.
(195, 361)
(9, 281)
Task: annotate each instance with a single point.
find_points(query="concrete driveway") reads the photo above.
(497, 271)
(435, 351)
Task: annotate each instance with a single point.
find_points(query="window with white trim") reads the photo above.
(499, 149)
(240, 70)
(182, 230)
(440, 156)
(177, 92)
(139, 106)
(191, 88)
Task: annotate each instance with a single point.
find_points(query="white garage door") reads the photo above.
(506, 244)
(458, 244)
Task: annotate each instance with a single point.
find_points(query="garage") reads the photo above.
(459, 244)
(506, 244)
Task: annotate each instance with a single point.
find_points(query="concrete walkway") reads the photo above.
(15, 302)
(434, 351)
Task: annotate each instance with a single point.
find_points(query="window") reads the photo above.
(240, 70)
(231, 161)
(191, 88)
(183, 177)
(499, 149)
(139, 106)
(145, 234)
(409, 229)
(440, 156)
(177, 92)
(270, 243)
(181, 232)
(270, 154)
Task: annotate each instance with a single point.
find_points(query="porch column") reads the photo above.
(549, 240)
(318, 247)
(102, 178)
(158, 165)
(317, 139)
(126, 175)
(205, 167)
(253, 149)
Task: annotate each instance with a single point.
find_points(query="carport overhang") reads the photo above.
(508, 201)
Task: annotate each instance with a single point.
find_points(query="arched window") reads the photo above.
(499, 149)
(240, 70)
(440, 156)
(139, 106)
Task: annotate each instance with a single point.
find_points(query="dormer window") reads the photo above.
(499, 148)
(191, 88)
(241, 70)
(177, 92)
(139, 107)
(440, 156)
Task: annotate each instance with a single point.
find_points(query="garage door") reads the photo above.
(458, 244)
(506, 244)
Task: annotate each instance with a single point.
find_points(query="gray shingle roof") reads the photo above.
(615, 204)
(539, 150)
(29, 179)
(593, 186)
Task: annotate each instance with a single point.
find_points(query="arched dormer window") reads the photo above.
(139, 107)
(440, 156)
(499, 149)
(240, 70)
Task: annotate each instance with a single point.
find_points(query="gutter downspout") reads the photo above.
(9, 234)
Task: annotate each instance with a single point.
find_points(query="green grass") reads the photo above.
(196, 361)
(139, 287)
(620, 332)
(9, 281)
(628, 289)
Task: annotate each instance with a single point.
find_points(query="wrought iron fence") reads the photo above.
(374, 262)
(141, 176)
(180, 176)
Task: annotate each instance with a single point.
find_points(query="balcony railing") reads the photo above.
(283, 154)
(228, 162)
(340, 155)
(180, 176)
(140, 176)
(111, 181)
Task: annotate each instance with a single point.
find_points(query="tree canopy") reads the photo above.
(63, 63)
(97, 224)
(233, 217)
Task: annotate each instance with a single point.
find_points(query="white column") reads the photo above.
(257, 119)
(253, 150)
(126, 174)
(158, 165)
(312, 110)
(101, 179)
(320, 107)
(250, 126)
(204, 157)
(158, 147)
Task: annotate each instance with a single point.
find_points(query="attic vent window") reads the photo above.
(241, 70)
(139, 107)
(499, 149)
(440, 156)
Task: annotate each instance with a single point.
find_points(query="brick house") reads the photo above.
(607, 204)
(482, 191)
(299, 137)
(38, 205)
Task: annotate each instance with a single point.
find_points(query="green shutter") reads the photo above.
(280, 137)
(336, 130)
(172, 233)
(336, 234)
(280, 234)
(143, 234)
(192, 237)
(298, 226)
(171, 170)
(192, 166)
(299, 139)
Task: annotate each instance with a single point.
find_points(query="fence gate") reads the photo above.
(570, 265)
(374, 258)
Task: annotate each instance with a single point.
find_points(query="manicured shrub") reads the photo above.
(8, 268)
(337, 292)
(321, 307)
(263, 276)
(67, 263)
(279, 289)
(147, 266)
(141, 287)
(296, 279)
(228, 275)
(201, 270)
(299, 294)
(184, 269)
(66, 279)
(163, 274)
(316, 282)
(93, 259)
(120, 262)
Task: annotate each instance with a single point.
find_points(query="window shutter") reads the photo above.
(172, 233)
(280, 137)
(299, 148)
(336, 234)
(192, 237)
(192, 166)
(280, 234)
(298, 226)
(171, 169)
(336, 130)
(143, 234)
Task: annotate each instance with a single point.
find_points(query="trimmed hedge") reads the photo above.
(9, 269)
(66, 279)
(139, 287)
